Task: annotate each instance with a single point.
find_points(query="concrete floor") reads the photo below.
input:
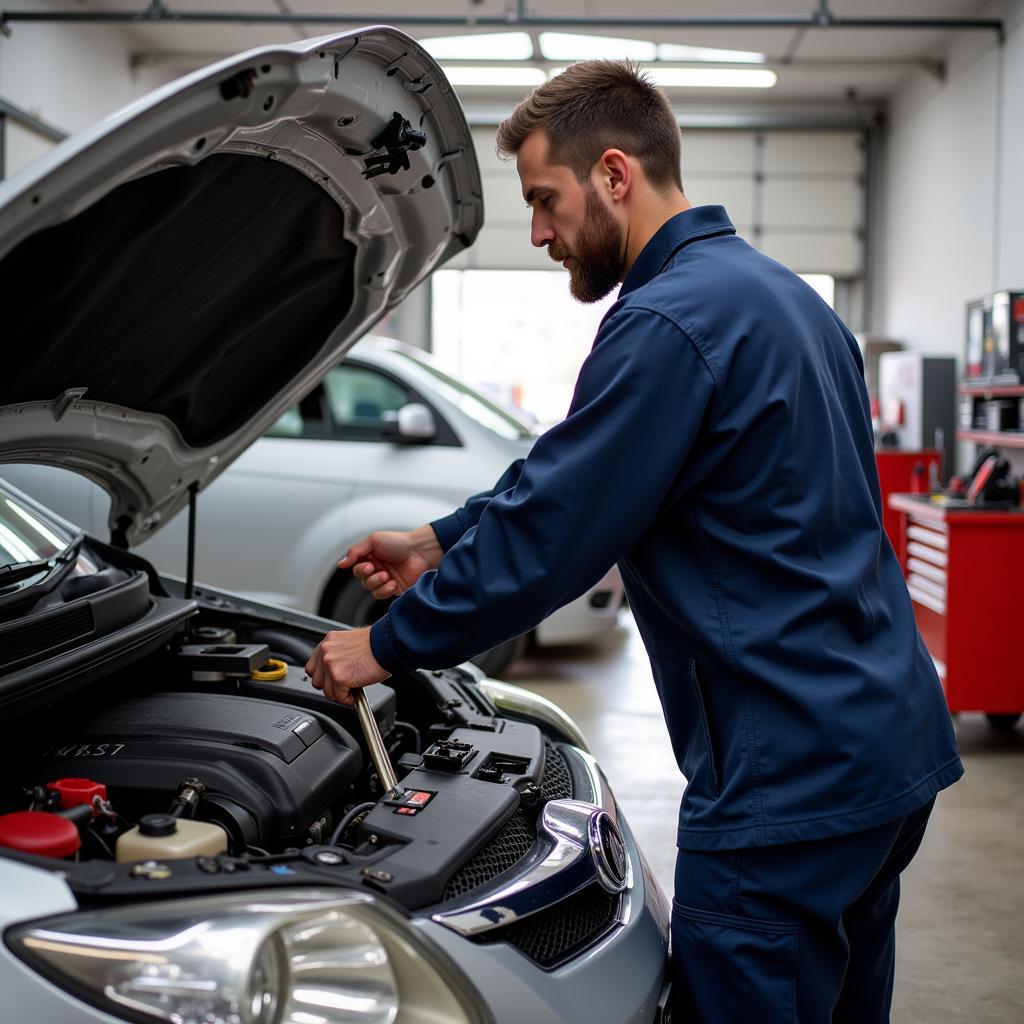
(960, 944)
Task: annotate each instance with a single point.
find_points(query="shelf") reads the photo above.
(998, 438)
(992, 390)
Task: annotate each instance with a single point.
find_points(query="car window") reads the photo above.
(357, 397)
(288, 425)
(307, 418)
(475, 405)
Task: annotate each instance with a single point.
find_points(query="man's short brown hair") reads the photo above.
(597, 105)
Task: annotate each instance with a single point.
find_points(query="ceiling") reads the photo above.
(818, 68)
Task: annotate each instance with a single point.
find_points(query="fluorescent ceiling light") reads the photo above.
(713, 78)
(707, 78)
(492, 46)
(694, 54)
(568, 46)
(520, 77)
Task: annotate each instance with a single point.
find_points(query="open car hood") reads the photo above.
(177, 276)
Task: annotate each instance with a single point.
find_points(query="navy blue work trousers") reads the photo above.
(801, 933)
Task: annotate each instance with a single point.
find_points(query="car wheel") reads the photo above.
(355, 606)
(1003, 723)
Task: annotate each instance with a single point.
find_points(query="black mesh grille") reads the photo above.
(504, 851)
(513, 842)
(44, 635)
(556, 783)
(552, 936)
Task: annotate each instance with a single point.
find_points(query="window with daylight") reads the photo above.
(519, 335)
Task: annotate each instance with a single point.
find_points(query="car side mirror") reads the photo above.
(413, 423)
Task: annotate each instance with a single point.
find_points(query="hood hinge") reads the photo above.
(119, 534)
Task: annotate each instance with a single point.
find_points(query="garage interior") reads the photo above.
(874, 147)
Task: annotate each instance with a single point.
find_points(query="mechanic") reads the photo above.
(719, 448)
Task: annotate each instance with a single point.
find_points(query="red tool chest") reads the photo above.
(963, 570)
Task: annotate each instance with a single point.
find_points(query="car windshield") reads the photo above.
(486, 412)
(28, 540)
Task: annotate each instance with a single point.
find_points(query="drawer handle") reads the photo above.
(928, 554)
(927, 600)
(936, 540)
(926, 569)
(928, 586)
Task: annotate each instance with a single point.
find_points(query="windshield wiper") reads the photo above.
(55, 568)
(22, 570)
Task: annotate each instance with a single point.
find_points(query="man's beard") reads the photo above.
(597, 261)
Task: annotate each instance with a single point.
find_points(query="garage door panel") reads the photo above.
(736, 196)
(717, 151)
(820, 252)
(803, 208)
(503, 201)
(814, 152)
(811, 202)
(483, 140)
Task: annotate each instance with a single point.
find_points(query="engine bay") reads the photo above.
(212, 761)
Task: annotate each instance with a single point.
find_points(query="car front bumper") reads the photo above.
(620, 980)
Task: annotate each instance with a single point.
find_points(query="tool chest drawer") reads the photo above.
(925, 565)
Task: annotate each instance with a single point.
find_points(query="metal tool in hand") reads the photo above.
(379, 753)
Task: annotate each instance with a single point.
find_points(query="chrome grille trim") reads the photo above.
(563, 861)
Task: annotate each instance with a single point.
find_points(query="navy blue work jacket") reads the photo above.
(719, 448)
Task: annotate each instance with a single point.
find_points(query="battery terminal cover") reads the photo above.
(74, 792)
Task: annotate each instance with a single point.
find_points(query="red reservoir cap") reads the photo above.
(77, 791)
(39, 832)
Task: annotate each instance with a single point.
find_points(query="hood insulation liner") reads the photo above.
(194, 292)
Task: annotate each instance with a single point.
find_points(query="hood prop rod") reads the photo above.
(190, 565)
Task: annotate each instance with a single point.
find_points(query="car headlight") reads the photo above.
(306, 957)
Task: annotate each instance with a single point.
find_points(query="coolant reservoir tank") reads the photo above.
(164, 837)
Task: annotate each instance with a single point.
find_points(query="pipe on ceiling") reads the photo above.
(821, 18)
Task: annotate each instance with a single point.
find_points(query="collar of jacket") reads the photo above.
(689, 226)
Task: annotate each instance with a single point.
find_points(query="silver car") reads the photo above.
(189, 832)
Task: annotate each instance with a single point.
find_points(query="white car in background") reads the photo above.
(386, 441)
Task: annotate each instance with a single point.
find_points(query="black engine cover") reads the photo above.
(281, 766)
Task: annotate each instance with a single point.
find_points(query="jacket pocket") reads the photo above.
(735, 968)
(705, 724)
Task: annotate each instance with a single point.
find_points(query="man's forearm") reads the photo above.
(424, 541)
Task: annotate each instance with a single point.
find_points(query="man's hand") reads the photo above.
(342, 662)
(390, 562)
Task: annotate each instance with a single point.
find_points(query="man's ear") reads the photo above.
(615, 173)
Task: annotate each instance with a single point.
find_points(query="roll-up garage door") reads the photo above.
(796, 195)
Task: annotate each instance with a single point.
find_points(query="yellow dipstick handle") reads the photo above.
(272, 672)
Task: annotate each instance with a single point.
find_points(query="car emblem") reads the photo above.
(609, 852)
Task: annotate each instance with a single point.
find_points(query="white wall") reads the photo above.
(951, 218)
(69, 76)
